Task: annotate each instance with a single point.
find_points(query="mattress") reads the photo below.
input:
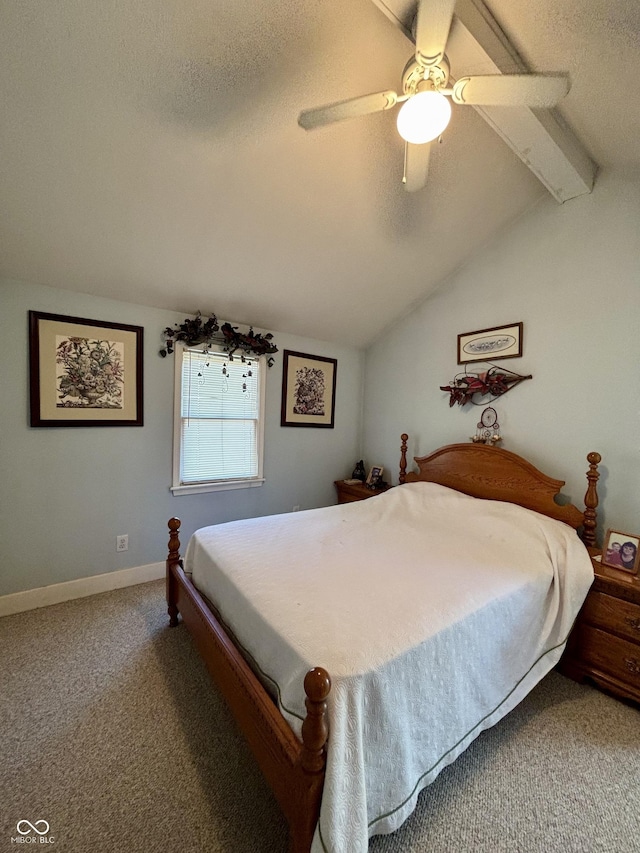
(435, 613)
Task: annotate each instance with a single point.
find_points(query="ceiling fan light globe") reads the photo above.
(423, 117)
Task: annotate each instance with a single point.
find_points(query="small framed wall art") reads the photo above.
(490, 344)
(621, 551)
(308, 390)
(84, 372)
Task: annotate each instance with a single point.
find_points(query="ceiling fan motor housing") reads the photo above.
(417, 78)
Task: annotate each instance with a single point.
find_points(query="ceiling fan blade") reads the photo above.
(512, 90)
(416, 166)
(365, 104)
(433, 22)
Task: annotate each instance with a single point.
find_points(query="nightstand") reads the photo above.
(348, 492)
(604, 645)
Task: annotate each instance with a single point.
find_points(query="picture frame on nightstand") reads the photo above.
(374, 477)
(621, 551)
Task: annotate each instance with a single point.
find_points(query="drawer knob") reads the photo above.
(634, 623)
(632, 665)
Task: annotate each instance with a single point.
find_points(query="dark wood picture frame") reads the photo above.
(613, 557)
(490, 344)
(308, 390)
(84, 372)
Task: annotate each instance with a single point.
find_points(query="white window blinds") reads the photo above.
(220, 418)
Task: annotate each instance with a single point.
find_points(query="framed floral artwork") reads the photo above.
(308, 390)
(84, 372)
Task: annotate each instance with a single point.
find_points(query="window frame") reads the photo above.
(179, 488)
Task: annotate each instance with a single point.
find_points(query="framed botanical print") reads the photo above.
(308, 390)
(84, 372)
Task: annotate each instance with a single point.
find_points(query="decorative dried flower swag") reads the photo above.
(470, 387)
(196, 332)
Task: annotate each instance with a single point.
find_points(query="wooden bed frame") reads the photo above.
(294, 769)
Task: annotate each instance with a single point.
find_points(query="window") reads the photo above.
(218, 422)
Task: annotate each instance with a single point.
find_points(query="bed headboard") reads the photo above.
(497, 474)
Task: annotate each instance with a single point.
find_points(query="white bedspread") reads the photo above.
(435, 613)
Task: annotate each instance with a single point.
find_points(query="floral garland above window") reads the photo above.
(197, 332)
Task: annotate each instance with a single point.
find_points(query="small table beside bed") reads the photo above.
(362, 647)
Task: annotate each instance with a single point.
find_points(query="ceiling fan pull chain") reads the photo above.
(404, 168)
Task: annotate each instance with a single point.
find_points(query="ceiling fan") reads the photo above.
(426, 109)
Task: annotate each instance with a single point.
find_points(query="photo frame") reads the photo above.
(621, 551)
(374, 476)
(84, 373)
(308, 390)
(490, 344)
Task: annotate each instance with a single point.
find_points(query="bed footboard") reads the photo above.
(293, 769)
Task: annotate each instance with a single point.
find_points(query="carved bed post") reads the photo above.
(315, 730)
(403, 458)
(173, 558)
(591, 501)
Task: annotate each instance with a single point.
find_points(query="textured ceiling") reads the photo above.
(150, 152)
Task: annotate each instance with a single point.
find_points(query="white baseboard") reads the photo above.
(17, 602)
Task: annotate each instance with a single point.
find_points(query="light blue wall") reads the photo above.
(571, 273)
(67, 493)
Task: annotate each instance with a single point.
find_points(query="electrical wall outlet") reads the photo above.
(296, 508)
(122, 542)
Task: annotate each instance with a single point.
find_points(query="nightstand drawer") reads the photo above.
(610, 654)
(347, 497)
(348, 492)
(612, 614)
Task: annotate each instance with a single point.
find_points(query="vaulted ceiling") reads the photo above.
(150, 152)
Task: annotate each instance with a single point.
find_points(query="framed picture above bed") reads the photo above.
(308, 390)
(621, 551)
(490, 344)
(84, 372)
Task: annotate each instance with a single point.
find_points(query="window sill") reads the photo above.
(225, 485)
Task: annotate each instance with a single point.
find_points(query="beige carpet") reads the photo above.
(112, 732)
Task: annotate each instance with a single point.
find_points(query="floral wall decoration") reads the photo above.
(471, 387)
(90, 373)
(308, 390)
(195, 332)
(84, 372)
